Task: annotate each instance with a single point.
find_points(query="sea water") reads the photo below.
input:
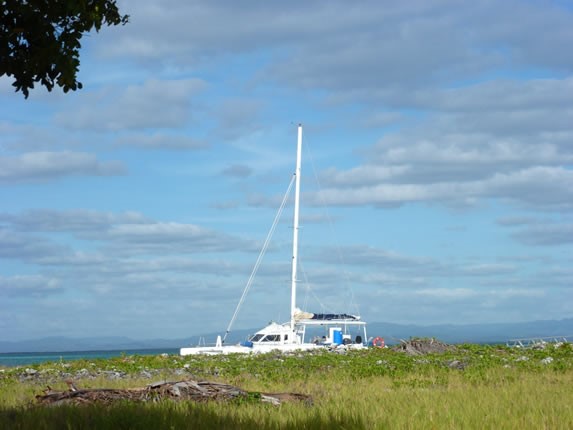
(28, 358)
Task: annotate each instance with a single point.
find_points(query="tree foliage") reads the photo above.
(40, 39)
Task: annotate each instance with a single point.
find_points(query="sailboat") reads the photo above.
(291, 335)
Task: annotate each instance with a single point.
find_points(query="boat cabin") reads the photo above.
(338, 332)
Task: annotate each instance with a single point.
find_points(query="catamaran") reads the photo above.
(291, 335)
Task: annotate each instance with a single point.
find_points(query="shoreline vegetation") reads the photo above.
(466, 386)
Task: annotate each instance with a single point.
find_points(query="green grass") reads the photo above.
(498, 388)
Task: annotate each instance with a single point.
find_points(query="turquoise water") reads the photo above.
(27, 358)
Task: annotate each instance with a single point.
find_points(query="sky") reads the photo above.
(437, 180)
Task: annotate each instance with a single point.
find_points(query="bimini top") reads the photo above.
(302, 315)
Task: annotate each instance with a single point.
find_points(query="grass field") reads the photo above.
(472, 387)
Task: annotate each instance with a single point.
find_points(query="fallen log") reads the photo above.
(197, 391)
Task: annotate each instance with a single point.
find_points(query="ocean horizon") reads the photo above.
(15, 359)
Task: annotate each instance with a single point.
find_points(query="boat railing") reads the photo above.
(532, 342)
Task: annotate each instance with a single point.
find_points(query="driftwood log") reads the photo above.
(197, 391)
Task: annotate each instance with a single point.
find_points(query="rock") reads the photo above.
(422, 346)
(145, 374)
(539, 345)
(112, 374)
(522, 358)
(457, 364)
(547, 360)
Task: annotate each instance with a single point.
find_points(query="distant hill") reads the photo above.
(450, 333)
(474, 333)
(56, 344)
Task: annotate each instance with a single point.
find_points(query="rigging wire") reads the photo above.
(347, 283)
(260, 258)
(309, 291)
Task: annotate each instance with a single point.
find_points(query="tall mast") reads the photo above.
(295, 228)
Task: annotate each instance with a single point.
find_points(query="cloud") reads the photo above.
(545, 234)
(382, 119)
(515, 221)
(160, 141)
(370, 256)
(25, 136)
(28, 286)
(153, 104)
(381, 48)
(230, 204)
(172, 237)
(393, 266)
(487, 269)
(237, 171)
(27, 247)
(497, 96)
(123, 233)
(557, 276)
(445, 150)
(540, 187)
(76, 220)
(449, 294)
(237, 117)
(468, 147)
(46, 166)
(354, 50)
(462, 148)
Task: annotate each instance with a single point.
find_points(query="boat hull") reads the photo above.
(263, 349)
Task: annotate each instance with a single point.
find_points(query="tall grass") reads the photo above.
(414, 394)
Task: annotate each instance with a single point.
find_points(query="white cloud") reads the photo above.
(549, 188)
(160, 141)
(44, 166)
(362, 60)
(27, 247)
(349, 47)
(447, 293)
(467, 293)
(543, 233)
(28, 286)
(487, 269)
(153, 104)
(124, 233)
(173, 237)
(76, 220)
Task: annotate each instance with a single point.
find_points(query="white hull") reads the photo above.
(239, 349)
(262, 349)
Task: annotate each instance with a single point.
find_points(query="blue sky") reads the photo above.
(437, 180)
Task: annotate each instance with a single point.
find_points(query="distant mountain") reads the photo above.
(66, 344)
(450, 333)
(474, 333)
(56, 344)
